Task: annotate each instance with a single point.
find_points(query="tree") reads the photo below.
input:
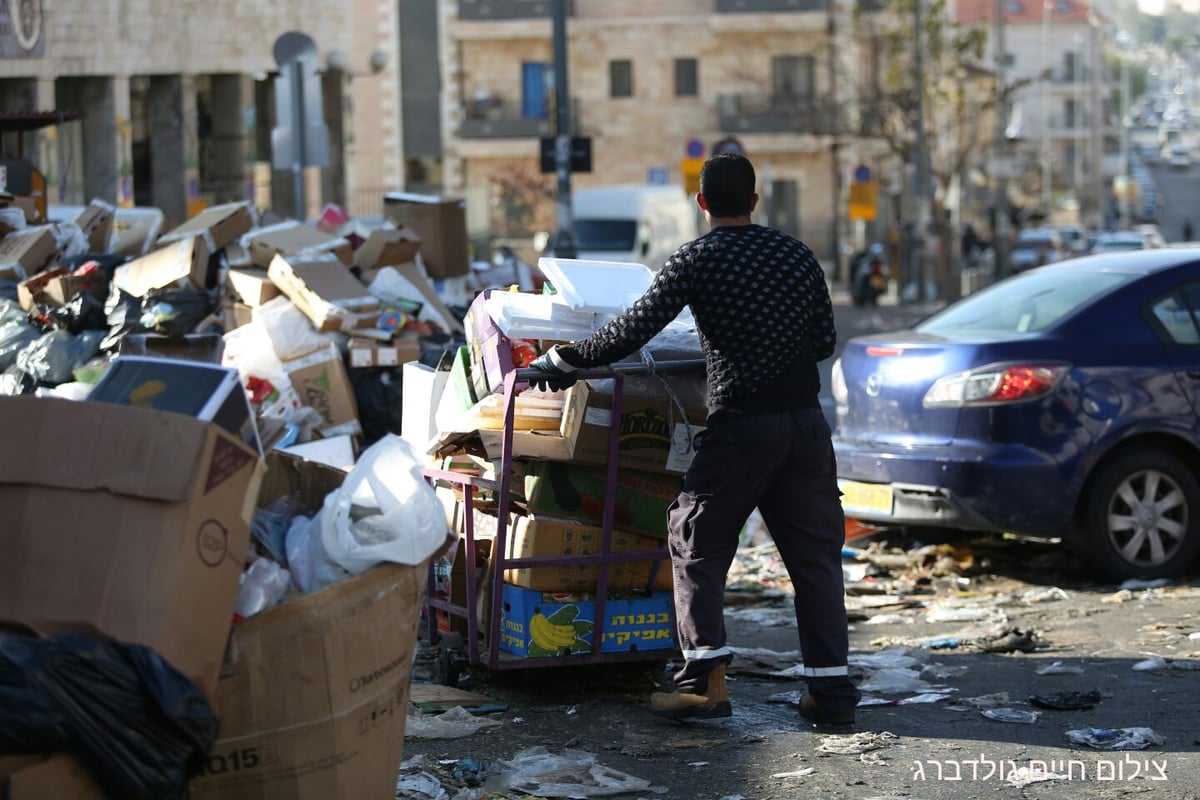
(959, 97)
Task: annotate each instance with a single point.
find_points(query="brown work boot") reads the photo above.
(814, 710)
(685, 705)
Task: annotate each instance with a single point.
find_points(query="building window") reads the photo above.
(793, 79)
(620, 78)
(537, 86)
(687, 83)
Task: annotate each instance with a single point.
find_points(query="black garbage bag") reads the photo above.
(141, 726)
(171, 312)
(14, 381)
(84, 312)
(378, 393)
(54, 357)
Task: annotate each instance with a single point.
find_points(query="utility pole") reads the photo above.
(1122, 39)
(921, 175)
(1000, 148)
(564, 240)
(1047, 145)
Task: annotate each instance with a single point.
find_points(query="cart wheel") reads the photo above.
(451, 659)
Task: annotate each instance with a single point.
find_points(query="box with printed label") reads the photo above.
(531, 537)
(655, 435)
(537, 624)
(491, 351)
(320, 380)
(401, 350)
(577, 491)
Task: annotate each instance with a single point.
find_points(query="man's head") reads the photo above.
(727, 185)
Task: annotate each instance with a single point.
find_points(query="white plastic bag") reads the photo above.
(308, 563)
(292, 334)
(384, 511)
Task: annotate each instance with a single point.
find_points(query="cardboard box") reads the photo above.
(293, 238)
(40, 777)
(206, 391)
(335, 451)
(531, 536)
(441, 222)
(491, 352)
(252, 286)
(218, 226)
(632, 623)
(556, 445)
(314, 694)
(132, 521)
(25, 253)
(577, 491)
(57, 287)
(401, 350)
(320, 380)
(326, 291)
(181, 263)
(207, 348)
(386, 248)
(135, 230)
(418, 279)
(234, 315)
(96, 222)
(653, 436)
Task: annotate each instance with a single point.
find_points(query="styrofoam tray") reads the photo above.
(605, 287)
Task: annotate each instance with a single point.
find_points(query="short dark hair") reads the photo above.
(727, 183)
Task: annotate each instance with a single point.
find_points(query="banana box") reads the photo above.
(537, 624)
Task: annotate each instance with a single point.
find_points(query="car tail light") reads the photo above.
(993, 385)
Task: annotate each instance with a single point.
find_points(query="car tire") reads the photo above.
(1122, 534)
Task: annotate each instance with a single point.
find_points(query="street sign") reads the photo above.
(581, 154)
(690, 169)
(862, 173)
(658, 176)
(864, 201)
(730, 144)
(694, 148)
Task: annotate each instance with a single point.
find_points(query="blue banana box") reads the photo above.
(537, 624)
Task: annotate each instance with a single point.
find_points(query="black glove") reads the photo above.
(554, 373)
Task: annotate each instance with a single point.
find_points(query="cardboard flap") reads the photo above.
(98, 446)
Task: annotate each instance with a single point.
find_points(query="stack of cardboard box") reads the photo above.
(130, 518)
(560, 487)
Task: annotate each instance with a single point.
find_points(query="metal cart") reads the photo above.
(454, 654)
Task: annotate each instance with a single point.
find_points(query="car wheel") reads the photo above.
(1141, 516)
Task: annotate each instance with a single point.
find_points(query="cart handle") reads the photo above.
(624, 369)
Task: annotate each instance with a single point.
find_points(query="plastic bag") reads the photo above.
(263, 585)
(307, 560)
(84, 312)
(291, 333)
(378, 392)
(141, 726)
(384, 511)
(574, 773)
(53, 358)
(69, 239)
(270, 526)
(15, 336)
(175, 312)
(394, 289)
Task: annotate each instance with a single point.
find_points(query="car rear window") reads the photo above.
(1027, 303)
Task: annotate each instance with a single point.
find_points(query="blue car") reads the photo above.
(1061, 402)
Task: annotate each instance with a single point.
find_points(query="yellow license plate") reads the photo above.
(866, 498)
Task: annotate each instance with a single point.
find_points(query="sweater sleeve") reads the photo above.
(668, 294)
(822, 333)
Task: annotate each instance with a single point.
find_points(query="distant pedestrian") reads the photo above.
(1187, 230)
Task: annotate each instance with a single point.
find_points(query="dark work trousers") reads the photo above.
(783, 463)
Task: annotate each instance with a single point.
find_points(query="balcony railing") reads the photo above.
(508, 9)
(499, 118)
(768, 6)
(771, 113)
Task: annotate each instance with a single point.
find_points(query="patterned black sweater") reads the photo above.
(762, 308)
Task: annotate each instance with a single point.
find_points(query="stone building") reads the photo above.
(177, 99)
(645, 80)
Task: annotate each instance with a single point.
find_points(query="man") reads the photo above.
(765, 319)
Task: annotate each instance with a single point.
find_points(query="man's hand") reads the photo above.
(554, 373)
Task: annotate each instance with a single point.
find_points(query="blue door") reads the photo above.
(536, 80)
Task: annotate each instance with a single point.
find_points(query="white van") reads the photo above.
(637, 224)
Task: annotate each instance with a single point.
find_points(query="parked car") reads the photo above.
(1059, 402)
(1036, 247)
(1124, 241)
(1177, 156)
(1075, 239)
